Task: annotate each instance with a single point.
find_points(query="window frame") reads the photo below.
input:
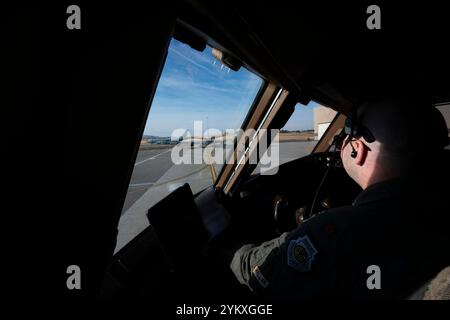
(231, 176)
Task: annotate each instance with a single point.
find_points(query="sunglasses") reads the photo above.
(354, 129)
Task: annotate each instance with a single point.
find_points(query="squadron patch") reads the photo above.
(301, 254)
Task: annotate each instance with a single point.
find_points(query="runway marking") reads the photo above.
(151, 158)
(141, 184)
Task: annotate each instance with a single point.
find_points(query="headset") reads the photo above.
(354, 129)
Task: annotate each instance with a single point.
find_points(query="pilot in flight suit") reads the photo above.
(389, 242)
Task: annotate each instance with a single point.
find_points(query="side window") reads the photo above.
(323, 116)
(302, 132)
(445, 110)
(196, 102)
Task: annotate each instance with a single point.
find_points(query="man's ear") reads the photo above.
(361, 152)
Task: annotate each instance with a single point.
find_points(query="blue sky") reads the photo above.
(194, 86)
(302, 118)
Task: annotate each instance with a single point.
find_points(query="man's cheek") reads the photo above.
(344, 160)
(343, 153)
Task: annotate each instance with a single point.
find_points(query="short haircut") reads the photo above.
(405, 124)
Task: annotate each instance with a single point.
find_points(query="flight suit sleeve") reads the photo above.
(249, 256)
(298, 264)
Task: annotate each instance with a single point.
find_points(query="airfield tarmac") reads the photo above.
(155, 176)
(152, 164)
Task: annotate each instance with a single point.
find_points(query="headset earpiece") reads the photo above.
(354, 153)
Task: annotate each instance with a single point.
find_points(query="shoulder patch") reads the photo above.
(301, 253)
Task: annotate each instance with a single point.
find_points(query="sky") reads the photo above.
(302, 118)
(194, 86)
